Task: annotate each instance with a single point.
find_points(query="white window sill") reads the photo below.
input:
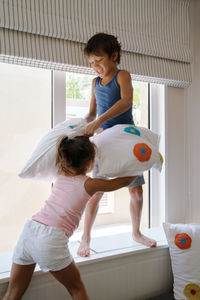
(105, 244)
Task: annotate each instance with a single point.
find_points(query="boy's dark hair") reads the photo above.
(103, 42)
(74, 155)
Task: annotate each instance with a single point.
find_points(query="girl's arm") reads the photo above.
(93, 185)
(92, 110)
(122, 105)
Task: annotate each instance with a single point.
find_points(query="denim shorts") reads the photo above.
(45, 245)
(135, 183)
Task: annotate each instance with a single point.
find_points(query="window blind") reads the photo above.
(154, 35)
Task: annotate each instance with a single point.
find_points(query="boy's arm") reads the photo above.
(93, 185)
(122, 105)
(92, 110)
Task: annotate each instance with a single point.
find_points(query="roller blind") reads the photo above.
(52, 33)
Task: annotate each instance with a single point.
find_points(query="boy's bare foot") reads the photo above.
(84, 249)
(144, 240)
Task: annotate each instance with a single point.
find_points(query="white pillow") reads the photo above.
(184, 247)
(125, 150)
(42, 163)
(114, 160)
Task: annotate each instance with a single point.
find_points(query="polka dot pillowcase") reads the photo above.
(184, 247)
(125, 150)
(42, 162)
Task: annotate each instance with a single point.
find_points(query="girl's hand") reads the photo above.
(92, 127)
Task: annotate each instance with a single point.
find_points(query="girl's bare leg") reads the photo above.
(90, 215)
(19, 281)
(71, 279)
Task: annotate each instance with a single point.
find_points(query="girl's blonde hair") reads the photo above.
(74, 155)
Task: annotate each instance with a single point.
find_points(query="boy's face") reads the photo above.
(102, 64)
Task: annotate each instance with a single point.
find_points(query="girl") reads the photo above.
(44, 239)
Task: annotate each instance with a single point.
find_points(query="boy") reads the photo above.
(112, 95)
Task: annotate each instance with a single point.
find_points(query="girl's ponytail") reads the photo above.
(74, 155)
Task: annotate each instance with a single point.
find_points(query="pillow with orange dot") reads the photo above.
(125, 150)
(184, 248)
(42, 162)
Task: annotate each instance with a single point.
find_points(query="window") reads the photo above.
(27, 113)
(24, 118)
(114, 206)
(78, 94)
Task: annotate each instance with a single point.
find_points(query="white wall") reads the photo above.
(183, 138)
(193, 122)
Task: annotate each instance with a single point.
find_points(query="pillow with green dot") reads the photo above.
(184, 245)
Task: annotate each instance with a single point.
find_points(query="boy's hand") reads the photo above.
(89, 118)
(92, 127)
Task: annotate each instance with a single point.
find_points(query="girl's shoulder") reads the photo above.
(66, 178)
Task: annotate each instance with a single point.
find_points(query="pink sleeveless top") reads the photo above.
(66, 204)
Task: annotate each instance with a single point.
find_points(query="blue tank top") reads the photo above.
(106, 96)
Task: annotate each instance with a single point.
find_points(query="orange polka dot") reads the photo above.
(142, 152)
(183, 241)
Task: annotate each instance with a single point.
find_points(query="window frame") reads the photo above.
(158, 190)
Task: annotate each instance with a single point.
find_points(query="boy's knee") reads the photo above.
(97, 196)
(136, 192)
(94, 201)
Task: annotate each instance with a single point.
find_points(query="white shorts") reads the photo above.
(45, 245)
